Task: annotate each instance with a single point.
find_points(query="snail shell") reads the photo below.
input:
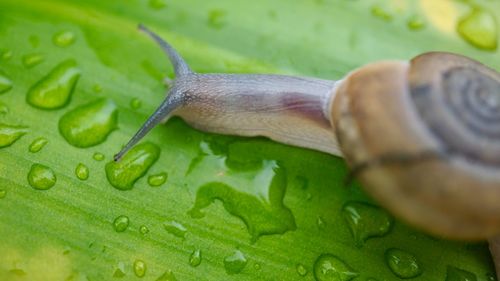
(424, 139)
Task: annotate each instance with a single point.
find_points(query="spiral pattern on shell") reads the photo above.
(459, 100)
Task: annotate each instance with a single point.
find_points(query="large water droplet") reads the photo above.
(82, 172)
(64, 38)
(175, 228)
(32, 60)
(167, 276)
(301, 269)
(37, 144)
(9, 134)
(5, 83)
(235, 263)
(119, 271)
(4, 109)
(89, 124)
(480, 29)
(3, 193)
(328, 267)
(456, 274)
(366, 221)
(41, 177)
(195, 258)
(124, 173)
(98, 156)
(402, 263)
(54, 90)
(250, 189)
(120, 224)
(139, 268)
(157, 179)
(157, 4)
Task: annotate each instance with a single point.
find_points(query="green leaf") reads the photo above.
(279, 208)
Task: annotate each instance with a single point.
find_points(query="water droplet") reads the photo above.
(381, 13)
(37, 144)
(120, 224)
(54, 90)
(64, 38)
(250, 189)
(328, 267)
(479, 28)
(235, 263)
(167, 276)
(31, 60)
(98, 156)
(82, 172)
(5, 83)
(124, 173)
(216, 19)
(256, 266)
(5, 55)
(41, 177)
(143, 229)
(119, 271)
(301, 269)
(9, 134)
(456, 274)
(157, 179)
(402, 264)
(89, 124)
(157, 4)
(175, 228)
(4, 109)
(135, 103)
(139, 268)
(34, 41)
(415, 23)
(3, 193)
(366, 221)
(195, 258)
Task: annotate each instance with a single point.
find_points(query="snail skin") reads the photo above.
(422, 136)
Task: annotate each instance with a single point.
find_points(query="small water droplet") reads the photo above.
(216, 19)
(402, 263)
(5, 55)
(366, 221)
(301, 269)
(415, 23)
(82, 172)
(98, 156)
(120, 224)
(9, 134)
(139, 268)
(256, 266)
(195, 258)
(381, 13)
(235, 263)
(5, 83)
(167, 276)
(456, 274)
(41, 177)
(480, 29)
(54, 90)
(175, 228)
(64, 38)
(328, 267)
(119, 271)
(34, 41)
(32, 60)
(3, 193)
(4, 109)
(89, 124)
(157, 4)
(37, 144)
(135, 103)
(157, 179)
(124, 173)
(143, 229)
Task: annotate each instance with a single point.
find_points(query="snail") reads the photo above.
(422, 136)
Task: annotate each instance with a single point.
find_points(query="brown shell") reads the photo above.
(424, 138)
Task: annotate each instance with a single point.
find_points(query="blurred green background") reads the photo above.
(204, 206)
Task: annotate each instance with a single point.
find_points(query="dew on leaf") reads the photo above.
(120, 224)
(9, 134)
(41, 177)
(456, 274)
(157, 4)
(235, 263)
(381, 13)
(119, 270)
(98, 156)
(195, 258)
(38, 144)
(480, 29)
(32, 60)
(135, 103)
(175, 228)
(167, 276)
(143, 229)
(328, 267)
(415, 23)
(301, 269)
(216, 19)
(157, 179)
(402, 263)
(63, 38)
(82, 172)
(139, 268)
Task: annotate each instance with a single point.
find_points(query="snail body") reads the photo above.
(423, 136)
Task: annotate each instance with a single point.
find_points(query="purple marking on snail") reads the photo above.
(423, 136)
